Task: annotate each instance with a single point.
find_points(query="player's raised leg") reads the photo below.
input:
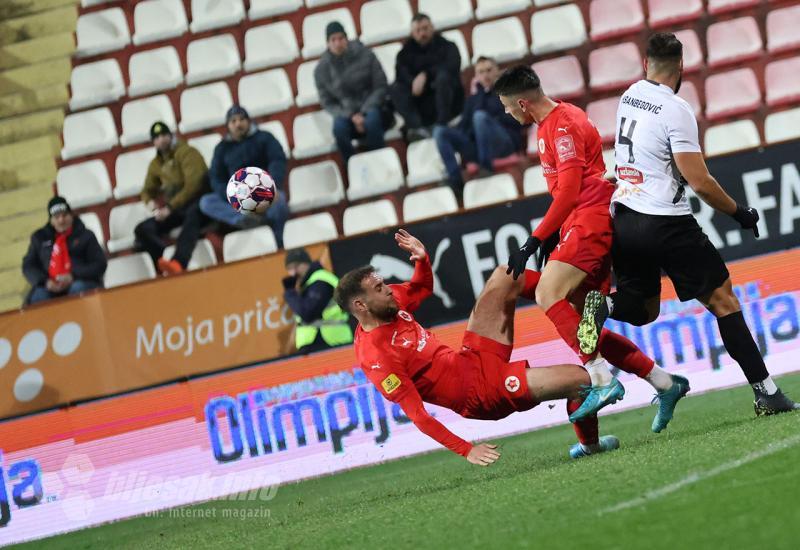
(492, 315)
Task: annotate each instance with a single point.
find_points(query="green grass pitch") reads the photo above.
(716, 478)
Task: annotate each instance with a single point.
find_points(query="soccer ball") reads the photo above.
(251, 190)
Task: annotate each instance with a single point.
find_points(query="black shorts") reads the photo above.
(644, 244)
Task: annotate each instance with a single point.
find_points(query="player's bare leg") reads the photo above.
(493, 313)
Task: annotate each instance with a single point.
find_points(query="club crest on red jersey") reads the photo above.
(404, 316)
(565, 147)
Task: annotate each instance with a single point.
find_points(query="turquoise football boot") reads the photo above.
(598, 397)
(607, 443)
(667, 400)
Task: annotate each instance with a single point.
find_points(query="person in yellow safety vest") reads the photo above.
(308, 290)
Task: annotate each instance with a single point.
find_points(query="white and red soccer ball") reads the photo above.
(251, 190)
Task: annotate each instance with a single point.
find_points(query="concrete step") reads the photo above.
(32, 77)
(11, 254)
(37, 50)
(11, 9)
(18, 177)
(25, 199)
(30, 101)
(22, 153)
(31, 126)
(10, 302)
(21, 227)
(30, 27)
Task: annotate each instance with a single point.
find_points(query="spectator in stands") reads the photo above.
(484, 133)
(353, 89)
(246, 145)
(427, 88)
(308, 290)
(63, 258)
(176, 178)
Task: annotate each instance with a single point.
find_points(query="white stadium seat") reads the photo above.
(384, 20)
(313, 229)
(610, 18)
(456, 37)
(275, 128)
(387, 57)
(260, 9)
(556, 29)
(610, 161)
(213, 14)
(269, 46)
(122, 220)
(140, 114)
(716, 7)
(130, 171)
(727, 138)
(603, 113)
(533, 182)
(315, 186)
(491, 190)
(615, 66)
(154, 71)
(205, 145)
(732, 93)
(266, 92)
(446, 14)
(374, 173)
(562, 76)
(155, 20)
(692, 51)
(782, 28)
(313, 134)
(306, 86)
(95, 83)
(248, 243)
(317, 3)
(202, 256)
(101, 32)
(689, 93)
(314, 42)
(212, 58)
(369, 216)
(88, 132)
(782, 81)
(733, 41)
(671, 12)
(84, 184)
(93, 224)
(782, 126)
(424, 163)
(487, 9)
(204, 106)
(129, 269)
(503, 39)
(430, 203)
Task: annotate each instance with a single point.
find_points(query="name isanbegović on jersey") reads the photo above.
(641, 104)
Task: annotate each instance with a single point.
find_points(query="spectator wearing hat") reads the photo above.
(176, 178)
(353, 89)
(63, 258)
(245, 145)
(308, 290)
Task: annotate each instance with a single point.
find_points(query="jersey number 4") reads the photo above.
(626, 138)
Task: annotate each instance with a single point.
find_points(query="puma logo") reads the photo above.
(564, 129)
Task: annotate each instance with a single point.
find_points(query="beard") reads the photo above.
(679, 82)
(385, 314)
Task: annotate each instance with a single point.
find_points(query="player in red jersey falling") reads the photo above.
(409, 365)
(571, 154)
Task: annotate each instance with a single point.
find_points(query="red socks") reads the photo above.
(566, 320)
(587, 428)
(624, 354)
(531, 280)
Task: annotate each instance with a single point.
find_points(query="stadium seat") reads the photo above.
(488, 9)
(446, 14)
(306, 86)
(615, 66)
(248, 243)
(782, 126)
(611, 163)
(314, 42)
(140, 114)
(782, 81)
(384, 20)
(101, 32)
(313, 134)
(130, 170)
(266, 92)
(315, 186)
(688, 92)
(533, 182)
(562, 77)
(93, 224)
(212, 58)
(604, 115)
(122, 220)
(260, 9)
(502, 39)
(204, 106)
(730, 137)
(430, 203)
(387, 57)
(733, 41)
(155, 20)
(369, 216)
(782, 28)
(203, 255)
(270, 45)
(610, 18)
(672, 12)
(213, 14)
(84, 184)
(692, 51)
(95, 83)
(491, 190)
(556, 29)
(129, 269)
(88, 132)
(716, 7)
(544, 3)
(275, 128)
(206, 145)
(456, 37)
(313, 229)
(732, 93)
(154, 71)
(374, 173)
(424, 163)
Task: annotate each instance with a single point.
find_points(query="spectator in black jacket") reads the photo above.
(427, 88)
(64, 257)
(484, 133)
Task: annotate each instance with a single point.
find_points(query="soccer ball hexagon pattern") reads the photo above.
(251, 190)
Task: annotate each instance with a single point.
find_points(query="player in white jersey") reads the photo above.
(657, 153)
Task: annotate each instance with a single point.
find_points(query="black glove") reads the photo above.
(546, 249)
(747, 218)
(518, 258)
(289, 282)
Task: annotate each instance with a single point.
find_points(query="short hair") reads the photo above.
(420, 17)
(350, 286)
(483, 58)
(517, 80)
(664, 47)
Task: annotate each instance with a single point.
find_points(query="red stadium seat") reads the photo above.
(562, 77)
(733, 41)
(782, 28)
(688, 92)
(610, 18)
(615, 66)
(732, 93)
(782, 81)
(692, 52)
(603, 114)
(671, 12)
(716, 7)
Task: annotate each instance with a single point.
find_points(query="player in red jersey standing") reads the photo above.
(571, 154)
(409, 365)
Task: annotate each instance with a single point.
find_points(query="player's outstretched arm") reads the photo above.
(483, 454)
(406, 241)
(411, 294)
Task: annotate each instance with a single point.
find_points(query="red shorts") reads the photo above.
(495, 387)
(586, 244)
